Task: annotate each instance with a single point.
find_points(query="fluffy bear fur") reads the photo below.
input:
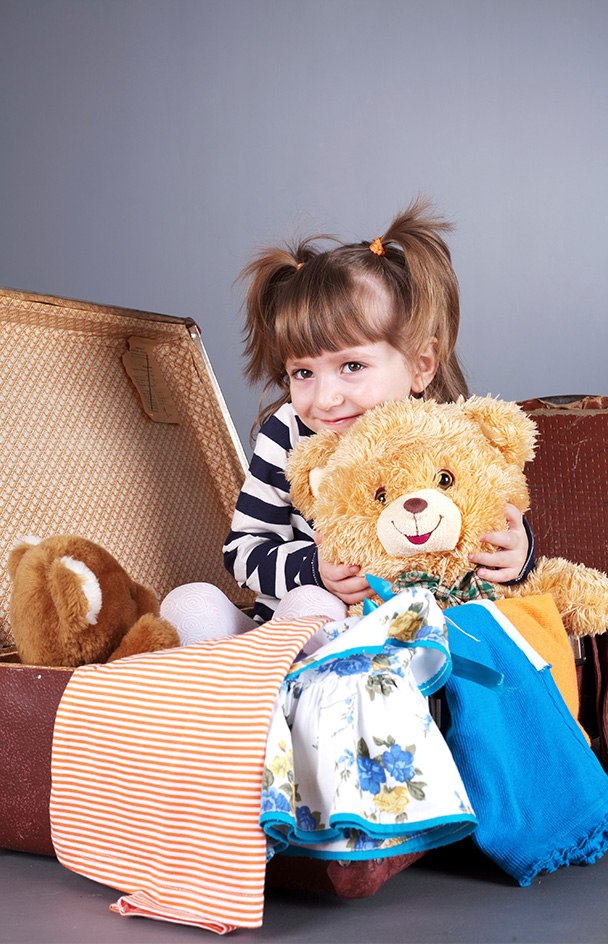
(412, 485)
(72, 603)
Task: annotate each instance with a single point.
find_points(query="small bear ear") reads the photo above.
(315, 477)
(306, 467)
(505, 426)
(17, 552)
(75, 592)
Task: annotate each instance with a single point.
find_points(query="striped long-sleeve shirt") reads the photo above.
(271, 548)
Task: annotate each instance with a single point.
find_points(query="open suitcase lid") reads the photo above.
(113, 427)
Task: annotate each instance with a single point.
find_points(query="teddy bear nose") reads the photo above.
(415, 505)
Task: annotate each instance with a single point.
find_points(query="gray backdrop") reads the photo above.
(148, 146)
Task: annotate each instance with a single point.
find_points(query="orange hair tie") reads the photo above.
(299, 266)
(377, 247)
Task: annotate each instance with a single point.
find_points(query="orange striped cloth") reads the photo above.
(157, 774)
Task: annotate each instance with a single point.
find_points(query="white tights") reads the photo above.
(200, 611)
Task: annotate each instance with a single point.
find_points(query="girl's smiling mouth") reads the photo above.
(340, 420)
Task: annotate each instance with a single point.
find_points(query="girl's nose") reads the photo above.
(328, 396)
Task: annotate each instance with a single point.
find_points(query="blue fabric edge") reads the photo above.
(441, 836)
(435, 828)
(436, 680)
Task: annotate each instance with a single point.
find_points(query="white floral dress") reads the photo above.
(355, 766)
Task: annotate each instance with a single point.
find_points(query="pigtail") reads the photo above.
(274, 279)
(266, 273)
(417, 230)
(417, 236)
(434, 286)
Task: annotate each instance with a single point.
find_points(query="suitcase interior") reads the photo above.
(80, 454)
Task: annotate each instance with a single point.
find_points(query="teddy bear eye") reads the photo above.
(380, 495)
(444, 478)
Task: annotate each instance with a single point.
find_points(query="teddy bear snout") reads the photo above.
(424, 520)
(415, 506)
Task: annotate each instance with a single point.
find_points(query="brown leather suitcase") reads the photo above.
(112, 426)
(568, 482)
(29, 698)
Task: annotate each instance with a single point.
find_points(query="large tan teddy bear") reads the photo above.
(72, 603)
(409, 488)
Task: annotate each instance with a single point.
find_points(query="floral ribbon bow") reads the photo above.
(467, 588)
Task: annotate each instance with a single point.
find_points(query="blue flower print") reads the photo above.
(432, 634)
(333, 632)
(360, 841)
(347, 758)
(395, 661)
(371, 774)
(349, 665)
(305, 819)
(399, 763)
(273, 799)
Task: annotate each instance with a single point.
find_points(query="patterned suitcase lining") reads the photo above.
(78, 453)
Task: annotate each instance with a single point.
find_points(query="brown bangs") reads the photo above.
(329, 308)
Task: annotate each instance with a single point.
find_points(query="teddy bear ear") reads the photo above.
(17, 552)
(505, 425)
(306, 466)
(75, 592)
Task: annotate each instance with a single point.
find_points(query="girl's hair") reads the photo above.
(303, 299)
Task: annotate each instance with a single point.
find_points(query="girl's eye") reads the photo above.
(380, 495)
(351, 367)
(301, 374)
(444, 478)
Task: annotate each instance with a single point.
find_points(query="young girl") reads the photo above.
(336, 332)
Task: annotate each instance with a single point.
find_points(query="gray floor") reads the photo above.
(451, 895)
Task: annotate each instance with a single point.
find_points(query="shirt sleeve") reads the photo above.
(530, 562)
(270, 548)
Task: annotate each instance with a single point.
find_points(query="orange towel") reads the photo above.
(538, 620)
(157, 775)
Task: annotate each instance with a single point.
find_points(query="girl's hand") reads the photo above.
(507, 561)
(343, 581)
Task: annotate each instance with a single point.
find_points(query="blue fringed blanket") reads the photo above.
(539, 792)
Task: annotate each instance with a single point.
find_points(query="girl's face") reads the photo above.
(332, 390)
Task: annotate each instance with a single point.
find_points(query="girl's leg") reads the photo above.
(200, 611)
(310, 601)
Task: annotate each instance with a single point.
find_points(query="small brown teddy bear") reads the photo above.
(406, 492)
(72, 603)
